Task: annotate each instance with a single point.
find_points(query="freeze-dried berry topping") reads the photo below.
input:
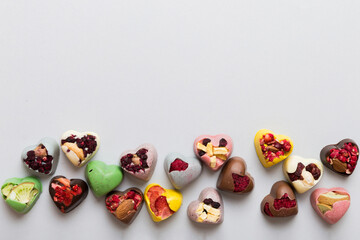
(284, 202)
(135, 162)
(348, 155)
(114, 200)
(87, 143)
(178, 165)
(267, 210)
(39, 160)
(240, 182)
(314, 170)
(205, 141)
(64, 193)
(222, 143)
(297, 174)
(273, 148)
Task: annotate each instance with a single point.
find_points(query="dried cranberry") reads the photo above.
(201, 153)
(215, 205)
(297, 174)
(128, 164)
(222, 142)
(205, 141)
(314, 170)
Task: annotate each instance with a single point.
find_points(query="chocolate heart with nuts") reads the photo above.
(213, 150)
(140, 162)
(342, 157)
(281, 202)
(302, 173)
(67, 194)
(42, 159)
(126, 205)
(234, 178)
(79, 147)
(208, 209)
(271, 148)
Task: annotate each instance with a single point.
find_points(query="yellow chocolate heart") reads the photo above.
(173, 199)
(265, 161)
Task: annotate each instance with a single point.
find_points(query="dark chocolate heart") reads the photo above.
(281, 202)
(67, 194)
(234, 178)
(125, 205)
(342, 157)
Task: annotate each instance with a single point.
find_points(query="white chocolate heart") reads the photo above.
(79, 155)
(305, 180)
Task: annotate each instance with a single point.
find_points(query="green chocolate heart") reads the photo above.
(21, 194)
(102, 178)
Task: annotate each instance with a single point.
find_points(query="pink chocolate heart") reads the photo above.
(339, 208)
(215, 157)
(140, 162)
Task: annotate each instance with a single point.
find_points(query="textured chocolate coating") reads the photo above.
(125, 212)
(225, 181)
(76, 199)
(277, 191)
(325, 152)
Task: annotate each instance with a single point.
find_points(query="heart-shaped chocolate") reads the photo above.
(213, 150)
(281, 202)
(126, 205)
(102, 178)
(302, 173)
(234, 177)
(42, 159)
(67, 194)
(140, 162)
(161, 203)
(21, 194)
(330, 204)
(271, 148)
(181, 170)
(79, 147)
(208, 209)
(342, 157)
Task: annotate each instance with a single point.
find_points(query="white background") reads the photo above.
(165, 72)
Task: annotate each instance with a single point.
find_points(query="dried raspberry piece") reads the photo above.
(127, 161)
(240, 182)
(178, 165)
(267, 210)
(284, 202)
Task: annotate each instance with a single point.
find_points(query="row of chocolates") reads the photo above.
(214, 151)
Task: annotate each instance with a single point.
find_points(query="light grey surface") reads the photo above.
(165, 72)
